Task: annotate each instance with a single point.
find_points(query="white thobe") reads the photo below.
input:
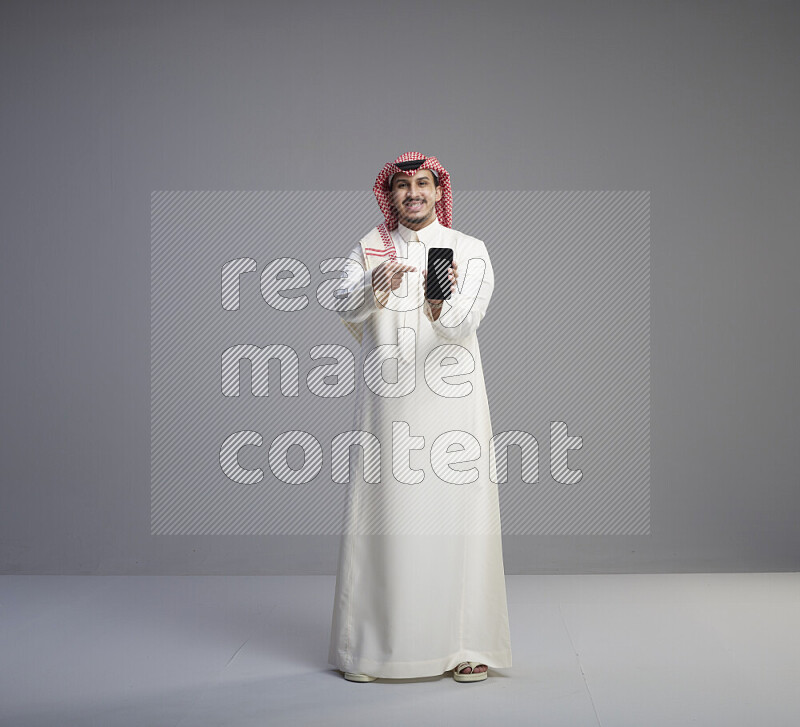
(420, 584)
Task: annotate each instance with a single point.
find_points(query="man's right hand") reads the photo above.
(389, 275)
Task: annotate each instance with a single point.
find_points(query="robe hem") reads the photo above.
(413, 669)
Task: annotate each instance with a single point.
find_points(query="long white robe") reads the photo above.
(420, 585)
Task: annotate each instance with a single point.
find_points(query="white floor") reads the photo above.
(610, 650)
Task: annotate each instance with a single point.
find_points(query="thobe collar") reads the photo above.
(428, 235)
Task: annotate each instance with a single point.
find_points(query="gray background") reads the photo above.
(105, 102)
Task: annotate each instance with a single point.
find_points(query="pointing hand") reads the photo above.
(389, 275)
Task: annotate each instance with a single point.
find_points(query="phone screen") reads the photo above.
(438, 284)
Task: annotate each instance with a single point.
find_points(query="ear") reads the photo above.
(438, 192)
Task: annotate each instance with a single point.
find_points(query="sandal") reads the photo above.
(351, 677)
(472, 676)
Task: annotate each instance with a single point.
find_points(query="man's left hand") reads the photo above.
(452, 274)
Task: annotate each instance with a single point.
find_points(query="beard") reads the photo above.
(415, 217)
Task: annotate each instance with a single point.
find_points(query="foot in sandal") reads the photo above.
(470, 671)
(351, 677)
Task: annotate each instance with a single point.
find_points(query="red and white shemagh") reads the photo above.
(444, 207)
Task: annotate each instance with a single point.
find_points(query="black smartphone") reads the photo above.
(438, 284)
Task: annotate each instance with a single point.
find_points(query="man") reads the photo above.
(420, 587)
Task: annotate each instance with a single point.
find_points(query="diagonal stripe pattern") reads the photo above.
(240, 300)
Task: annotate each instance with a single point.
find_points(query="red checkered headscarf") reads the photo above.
(409, 164)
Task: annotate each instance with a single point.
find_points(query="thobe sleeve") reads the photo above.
(463, 311)
(358, 287)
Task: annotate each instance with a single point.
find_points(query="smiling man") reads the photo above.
(420, 586)
(415, 197)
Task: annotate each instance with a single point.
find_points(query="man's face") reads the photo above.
(414, 198)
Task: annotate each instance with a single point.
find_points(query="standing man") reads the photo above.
(420, 587)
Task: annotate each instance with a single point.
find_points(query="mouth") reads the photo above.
(413, 206)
